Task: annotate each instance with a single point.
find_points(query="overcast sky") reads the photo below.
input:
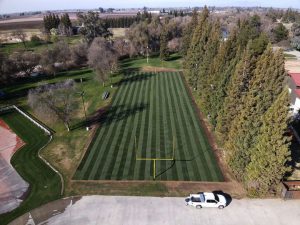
(9, 6)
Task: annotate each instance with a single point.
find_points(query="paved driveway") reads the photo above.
(167, 211)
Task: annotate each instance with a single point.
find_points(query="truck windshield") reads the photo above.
(202, 198)
(216, 197)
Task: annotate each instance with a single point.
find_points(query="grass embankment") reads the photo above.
(154, 109)
(44, 183)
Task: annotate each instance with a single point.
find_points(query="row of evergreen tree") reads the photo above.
(121, 22)
(126, 21)
(52, 20)
(240, 86)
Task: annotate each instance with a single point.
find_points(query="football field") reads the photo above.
(151, 117)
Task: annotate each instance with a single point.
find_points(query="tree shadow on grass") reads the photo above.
(166, 170)
(128, 66)
(23, 91)
(173, 58)
(82, 80)
(136, 78)
(172, 165)
(112, 114)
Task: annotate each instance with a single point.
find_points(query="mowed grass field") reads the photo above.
(156, 110)
(44, 183)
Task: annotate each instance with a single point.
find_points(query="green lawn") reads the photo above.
(155, 109)
(45, 184)
(174, 62)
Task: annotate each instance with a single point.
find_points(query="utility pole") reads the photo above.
(147, 54)
(82, 94)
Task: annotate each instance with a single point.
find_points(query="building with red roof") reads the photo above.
(294, 89)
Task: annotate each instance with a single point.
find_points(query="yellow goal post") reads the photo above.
(154, 159)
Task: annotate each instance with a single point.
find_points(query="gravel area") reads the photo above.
(165, 211)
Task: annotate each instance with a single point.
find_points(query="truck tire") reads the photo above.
(198, 206)
(221, 206)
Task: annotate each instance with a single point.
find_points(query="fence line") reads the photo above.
(27, 116)
(48, 132)
(32, 120)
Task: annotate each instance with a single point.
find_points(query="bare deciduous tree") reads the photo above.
(175, 44)
(6, 69)
(102, 58)
(122, 46)
(79, 53)
(21, 35)
(139, 37)
(64, 30)
(54, 101)
(64, 53)
(25, 61)
(56, 58)
(48, 59)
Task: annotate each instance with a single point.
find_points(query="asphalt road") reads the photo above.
(167, 211)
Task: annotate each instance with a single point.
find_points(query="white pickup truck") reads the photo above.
(206, 199)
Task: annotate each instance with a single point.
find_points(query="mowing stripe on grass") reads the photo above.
(91, 151)
(129, 158)
(211, 164)
(114, 136)
(139, 169)
(151, 108)
(105, 128)
(149, 147)
(181, 135)
(167, 135)
(126, 133)
(133, 147)
(188, 131)
(178, 175)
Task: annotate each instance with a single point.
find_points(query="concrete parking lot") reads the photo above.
(165, 211)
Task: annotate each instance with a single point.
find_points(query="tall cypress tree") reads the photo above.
(196, 50)
(187, 33)
(271, 152)
(238, 85)
(237, 88)
(65, 20)
(205, 75)
(164, 52)
(264, 87)
(221, 70)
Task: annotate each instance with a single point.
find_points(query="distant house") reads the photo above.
(294, 90)
(224, 34)
(154, 11)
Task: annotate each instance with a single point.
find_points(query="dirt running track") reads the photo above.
(12, 186)
(116, 210)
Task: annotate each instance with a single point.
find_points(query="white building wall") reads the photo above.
(296, 106)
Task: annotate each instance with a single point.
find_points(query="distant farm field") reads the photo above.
(151, 114)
